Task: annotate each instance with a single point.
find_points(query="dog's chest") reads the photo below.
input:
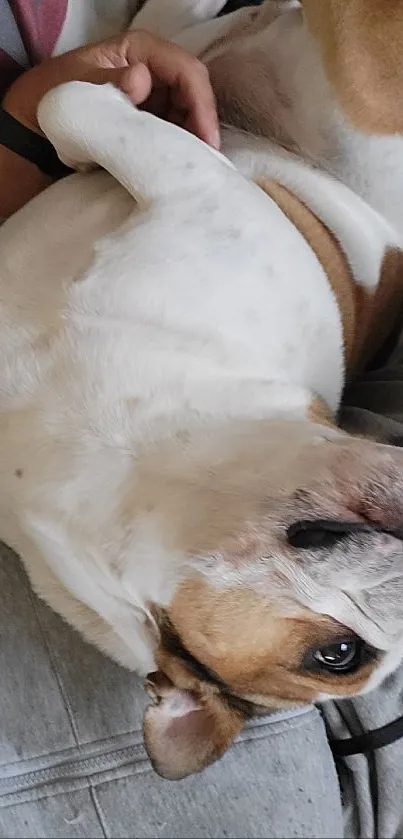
(195, 311)
(171, 312)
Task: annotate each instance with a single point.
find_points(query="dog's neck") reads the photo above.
(359, 311)
(191, 486)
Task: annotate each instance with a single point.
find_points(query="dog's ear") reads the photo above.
(183, 733)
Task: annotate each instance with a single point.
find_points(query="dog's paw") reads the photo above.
(68, 113)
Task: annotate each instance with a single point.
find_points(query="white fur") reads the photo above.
(170, 301)
(174, 322)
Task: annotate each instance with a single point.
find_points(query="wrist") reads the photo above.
(31, 146)
(22, 98)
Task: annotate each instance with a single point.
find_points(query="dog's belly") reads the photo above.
(160, 324)
(150, 325)
(51, 241)
(44, 248)
(217, 296)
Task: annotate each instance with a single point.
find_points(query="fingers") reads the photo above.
(186, 78)
(195, 96)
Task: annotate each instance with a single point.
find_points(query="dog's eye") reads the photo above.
(342, 656)
(339, 656)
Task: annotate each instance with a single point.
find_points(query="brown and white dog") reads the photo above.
(174, 341)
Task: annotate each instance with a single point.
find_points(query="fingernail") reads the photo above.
(216, 139)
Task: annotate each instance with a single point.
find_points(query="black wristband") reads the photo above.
(31, 146)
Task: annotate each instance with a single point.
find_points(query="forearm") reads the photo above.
(20, 181)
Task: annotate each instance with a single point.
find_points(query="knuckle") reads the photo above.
(204, 73)
(198, 66)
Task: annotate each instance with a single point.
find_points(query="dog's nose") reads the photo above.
(326, 533)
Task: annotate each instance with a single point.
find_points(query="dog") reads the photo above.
(176, 328)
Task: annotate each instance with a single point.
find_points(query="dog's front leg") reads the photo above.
(154, 160)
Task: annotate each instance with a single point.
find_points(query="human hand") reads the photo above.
(155, 74)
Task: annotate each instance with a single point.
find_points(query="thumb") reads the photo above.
(135, 81)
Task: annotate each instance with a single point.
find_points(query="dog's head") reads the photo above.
(295, 592)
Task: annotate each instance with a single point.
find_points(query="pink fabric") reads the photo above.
(38, 24)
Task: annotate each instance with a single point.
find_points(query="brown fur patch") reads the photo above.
(377, 319)
(367, 317)
(187, 671)
(329, 254)
(319, 413)
(361, 42)
(254, 649)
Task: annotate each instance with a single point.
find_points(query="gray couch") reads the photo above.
(72, 762)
